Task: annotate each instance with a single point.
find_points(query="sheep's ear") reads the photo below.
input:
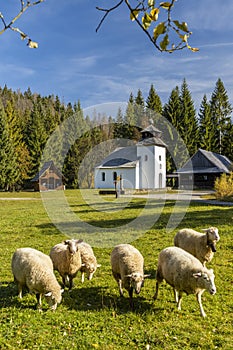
(49, 294)
(98, 265)
(204, 229)
(66, 242)
(83, 265)
(196, 275)
(145, 276)
(128, 275)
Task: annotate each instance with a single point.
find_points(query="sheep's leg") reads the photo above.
(156, 291)
(20, 290)
(71, 284)
(82, 276)
(176, 295)
(120, 287)
(203, 314)
(38, 297)
(179, 299)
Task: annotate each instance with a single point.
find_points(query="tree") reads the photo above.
(188, 126)
(221, 111)
(146, 13)
(8, 164)
(153, 101)
(206, 126)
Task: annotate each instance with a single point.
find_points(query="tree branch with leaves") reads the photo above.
(168, 35)
(24, 6)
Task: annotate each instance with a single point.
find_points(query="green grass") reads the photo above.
(92, 315)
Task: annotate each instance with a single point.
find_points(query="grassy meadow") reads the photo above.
(92, 315)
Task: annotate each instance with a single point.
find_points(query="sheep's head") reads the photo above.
(205, 280)
(72, 245)
(91, 269)
(137, 281)
(212, 237)
(53, 300)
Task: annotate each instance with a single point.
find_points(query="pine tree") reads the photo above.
(188, 126)
(139, 110)
(8, 165)
(221, 110)
(206, 126)
(20, 150)
(153, 101)
(37, 137)
(176, 153)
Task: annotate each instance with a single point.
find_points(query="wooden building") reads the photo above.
(202, 169)
(48, 178)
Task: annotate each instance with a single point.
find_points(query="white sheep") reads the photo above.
(128, 269)
(89, 262)
(201, 245)
(34, 269)
(66, 260)
(184, 273)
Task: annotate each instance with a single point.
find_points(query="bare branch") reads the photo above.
(24, 6)
(107, 11)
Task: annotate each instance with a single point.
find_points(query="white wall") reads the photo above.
(130, 177)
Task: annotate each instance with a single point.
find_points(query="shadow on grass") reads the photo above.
(80, 299)
(98, 298)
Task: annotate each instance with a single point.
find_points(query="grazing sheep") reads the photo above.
(66, 260)
(184, 273)
(89, 262)
(202, 246)
(127, 269)
(33, 269)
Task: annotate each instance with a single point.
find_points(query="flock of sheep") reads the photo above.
(183, 266)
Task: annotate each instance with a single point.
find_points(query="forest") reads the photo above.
(27, 121)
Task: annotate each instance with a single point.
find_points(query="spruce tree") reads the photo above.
(188, 126)
(206, 126)
(153, 101)
(221, 110)
(8, 165)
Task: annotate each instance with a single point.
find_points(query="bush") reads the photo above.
(224, 186)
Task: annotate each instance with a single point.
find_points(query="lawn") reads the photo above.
(92, 315)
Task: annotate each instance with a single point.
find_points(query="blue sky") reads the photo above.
(75, 63)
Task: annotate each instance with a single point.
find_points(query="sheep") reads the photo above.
(89, 262)
(202, 246)
(66, 260)
(128, 269)
(184, 273)
(34, 269)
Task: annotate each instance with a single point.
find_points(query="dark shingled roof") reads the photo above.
(123, 156)
(206, 162)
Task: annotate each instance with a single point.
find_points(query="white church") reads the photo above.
(142, 166)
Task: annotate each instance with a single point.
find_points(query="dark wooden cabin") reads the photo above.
(202, 169)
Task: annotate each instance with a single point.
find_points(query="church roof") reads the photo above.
(122, 156)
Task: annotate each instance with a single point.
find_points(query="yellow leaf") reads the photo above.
(146, 21)
(134, 14)
(165, 5)
(193, 49)
(32, 44)
(154, 14)
(160, 29)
